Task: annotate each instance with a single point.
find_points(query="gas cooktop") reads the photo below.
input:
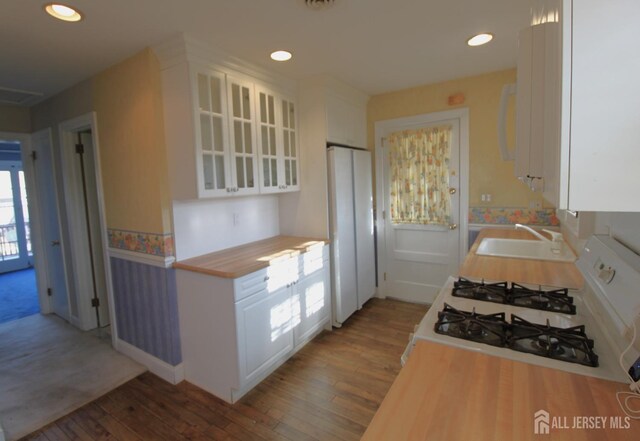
(567, 344)
(555, 300)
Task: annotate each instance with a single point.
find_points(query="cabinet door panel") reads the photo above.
(211, 133)
(310, 303)
(242, 128)
(290, 152)
(264, 330)
(270, 176)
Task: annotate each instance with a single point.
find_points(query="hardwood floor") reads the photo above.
(329, 390)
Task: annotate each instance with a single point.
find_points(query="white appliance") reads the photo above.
(353, 277)
(606, 306)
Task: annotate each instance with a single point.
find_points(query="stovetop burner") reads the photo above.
(484, 328)
(566, 344)
(556, 300)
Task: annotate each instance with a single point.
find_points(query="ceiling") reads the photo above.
(374, 45)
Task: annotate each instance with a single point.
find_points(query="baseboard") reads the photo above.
(172, 374)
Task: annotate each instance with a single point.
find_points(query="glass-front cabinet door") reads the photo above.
(270, 180)
(290, 153)
(241, 123)
(211, 134)
(277, 142)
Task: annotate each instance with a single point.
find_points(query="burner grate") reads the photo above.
(557, 300)
(565, 344)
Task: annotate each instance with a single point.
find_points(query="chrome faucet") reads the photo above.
(534, 232)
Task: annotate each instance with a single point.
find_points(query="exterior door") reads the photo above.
(421, 238)
(47, 195)
(15, 240)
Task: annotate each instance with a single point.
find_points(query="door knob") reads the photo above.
(452, 190)
(453, 226)
(55, 242)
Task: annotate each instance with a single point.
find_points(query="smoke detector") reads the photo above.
(319, 5)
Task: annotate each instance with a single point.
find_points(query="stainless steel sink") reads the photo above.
(524, 249)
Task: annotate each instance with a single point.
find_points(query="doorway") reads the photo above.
(18, 289)
(87, 261)
(422, 195)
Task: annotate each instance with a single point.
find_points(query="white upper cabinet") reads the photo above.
(227, 133)
(578, 101)
(242, 128)
(346, 121)
(600, 108)
(212, 139)
(278, 142)
(538, 104)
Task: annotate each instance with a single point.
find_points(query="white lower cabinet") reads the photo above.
(235, 332)
(265, 332)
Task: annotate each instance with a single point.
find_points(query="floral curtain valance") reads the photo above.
(419, 176)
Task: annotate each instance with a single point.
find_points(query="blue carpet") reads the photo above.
(18, 295)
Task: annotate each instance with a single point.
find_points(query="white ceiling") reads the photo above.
(374, 45)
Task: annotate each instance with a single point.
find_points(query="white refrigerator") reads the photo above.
(353, 276)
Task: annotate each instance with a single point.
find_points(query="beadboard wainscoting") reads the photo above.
(146, 307)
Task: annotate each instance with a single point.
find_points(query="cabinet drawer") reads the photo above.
(272, 278)
(250, 284)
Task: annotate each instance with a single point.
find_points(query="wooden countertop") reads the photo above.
(239, 261)
(495, 398)
(536, 272)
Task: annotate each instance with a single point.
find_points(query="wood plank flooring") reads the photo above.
(329, 390)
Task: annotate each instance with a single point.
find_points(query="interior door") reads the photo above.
(15, 243)
(420, 257)
(46, 190)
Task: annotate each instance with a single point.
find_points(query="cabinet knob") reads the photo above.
(453, 226)
(266, 278)
(452, 190)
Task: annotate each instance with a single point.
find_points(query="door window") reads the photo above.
(419, 176)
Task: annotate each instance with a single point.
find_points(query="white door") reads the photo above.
(48, 206)
(85, 239)
(363, 211)
(420, 256)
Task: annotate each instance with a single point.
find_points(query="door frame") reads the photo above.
(462, 115)
(67, 130)
(39, 259)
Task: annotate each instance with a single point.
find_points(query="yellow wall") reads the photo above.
(14, 119)
(127, 100)
(488, 173)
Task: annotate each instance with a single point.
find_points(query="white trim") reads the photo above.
(381, 127)
(90, 121)
(172, 374)
(132, 256)
(187, 48)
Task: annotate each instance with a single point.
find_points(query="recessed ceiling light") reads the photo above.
(62, 12)
(480, 39)
(281, 55)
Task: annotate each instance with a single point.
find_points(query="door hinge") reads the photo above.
(385, 276)
(34, 155)
(382, 138)
(384, 215)
(49, 292)
(95, 302)
(80, 149)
